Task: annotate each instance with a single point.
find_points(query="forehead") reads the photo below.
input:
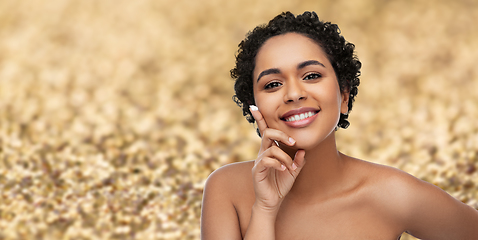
(287, 50)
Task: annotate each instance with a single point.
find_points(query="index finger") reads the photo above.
(261, 123)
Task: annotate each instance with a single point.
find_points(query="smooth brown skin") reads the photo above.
(329, 195)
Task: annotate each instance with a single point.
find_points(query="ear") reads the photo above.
(344, 108)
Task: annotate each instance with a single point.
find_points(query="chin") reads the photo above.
(307, 141)
(304, 145)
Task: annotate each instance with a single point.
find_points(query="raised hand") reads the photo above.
(274, 171)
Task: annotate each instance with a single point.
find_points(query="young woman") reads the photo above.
(297, 77)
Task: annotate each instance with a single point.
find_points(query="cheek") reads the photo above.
(328, 95)
(333, 93)
(267, 104)
(265, 108)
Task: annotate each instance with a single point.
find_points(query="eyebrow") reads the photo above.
(267, 72)
(299, 66)
(309, 62)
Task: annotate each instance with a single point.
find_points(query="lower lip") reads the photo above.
(302, 123)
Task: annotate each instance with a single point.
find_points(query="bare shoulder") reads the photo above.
(231, 176)
(422, 208)
(396, 188)
(386, 186)
(230, 182)
(383, 177)
(219, 218)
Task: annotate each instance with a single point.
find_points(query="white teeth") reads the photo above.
(302, 116)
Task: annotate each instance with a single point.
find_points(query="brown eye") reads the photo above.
(312, 76)
(272, 85)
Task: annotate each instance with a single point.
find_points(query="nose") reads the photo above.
(295, 91)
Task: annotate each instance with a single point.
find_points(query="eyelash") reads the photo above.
(315, 76)
(277, 84)
(270, 85)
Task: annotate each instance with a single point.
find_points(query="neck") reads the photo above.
(322, 174)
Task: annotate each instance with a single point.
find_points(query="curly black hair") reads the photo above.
(339, 52)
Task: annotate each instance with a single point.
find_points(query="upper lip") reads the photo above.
(299, 111)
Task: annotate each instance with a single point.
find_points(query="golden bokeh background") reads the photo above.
(113, 113)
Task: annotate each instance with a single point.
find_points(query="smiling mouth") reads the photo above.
(301, 116)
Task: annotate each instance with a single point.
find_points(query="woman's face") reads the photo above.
(296, 89)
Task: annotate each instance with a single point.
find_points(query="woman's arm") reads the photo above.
(262, 224)
(433, 214)
(228, 184)
(273, 175)
(219, 219)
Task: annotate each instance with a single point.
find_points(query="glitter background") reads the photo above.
(113, 113)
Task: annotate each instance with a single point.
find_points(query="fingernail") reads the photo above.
(282, 167)
(253, 108)
(294, 167)
(291, 140)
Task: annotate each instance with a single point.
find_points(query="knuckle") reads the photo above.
(275, 150)
(257, 165)
(268, 160)
(258, 161)
(267, 152)
(266, 132)
(264, 161)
